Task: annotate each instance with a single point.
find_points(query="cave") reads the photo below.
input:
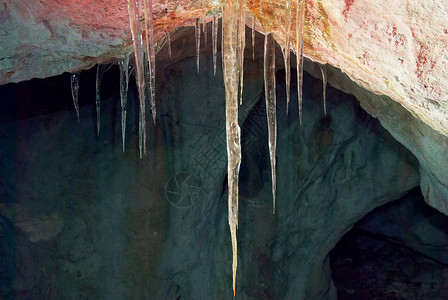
(394, 252)
(199, 197)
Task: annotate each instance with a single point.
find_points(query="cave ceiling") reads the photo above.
(398, 49)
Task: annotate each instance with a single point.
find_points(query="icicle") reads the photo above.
(253, 37)
(198, 42)
(74, 80)
(151, 53)
(286, 53)
(222, 36)
(231, 62)
(139, 65)
(269, 89)
(241, 43)
(204, 21)
(168, 42)
(323, 70)
(300, 18)
(100, 70)
(214, 41)
(123, 64)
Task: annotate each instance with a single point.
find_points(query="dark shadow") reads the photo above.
(398, 251)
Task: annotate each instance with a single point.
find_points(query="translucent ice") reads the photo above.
(74, 82)
(270, 95)
(231, 62)
(134, 21)
(323, 70)
(286, 51)
(100, 70)
(300, 18)
(241, 43)
(123, 64)
(198, 42)
(151, 54)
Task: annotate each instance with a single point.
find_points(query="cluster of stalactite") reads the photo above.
(233, 15)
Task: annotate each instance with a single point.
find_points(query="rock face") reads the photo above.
(397, 50)
(108, 225)
(398, 251)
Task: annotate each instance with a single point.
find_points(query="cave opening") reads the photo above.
(397, 251)
(73, 202)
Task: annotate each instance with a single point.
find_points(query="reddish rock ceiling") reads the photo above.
(397, 49)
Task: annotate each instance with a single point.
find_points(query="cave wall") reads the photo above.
(429, 146)
(398, 251)
(81, 219)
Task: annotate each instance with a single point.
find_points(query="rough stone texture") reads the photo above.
(397, 50)
(398, 251)
(428, 146)
(157, 227)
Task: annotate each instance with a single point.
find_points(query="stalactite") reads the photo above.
(270, 95)
(300, 19)
(74, 83)
(204, 21)
(323, 70)
(168, 41)
(151, 53)
(241, 43)
(198, 42)
(222, 36)
(134, 21)
(253, 37)
(100, 70)
(123, 65)
(214, 41)
(231, 61)
(286, 52)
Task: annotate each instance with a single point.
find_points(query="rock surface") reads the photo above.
(398, 251)
(157, 227)
(397, 50)
(429, 146)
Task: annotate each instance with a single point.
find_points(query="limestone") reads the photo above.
(397, 50)
(398, 250)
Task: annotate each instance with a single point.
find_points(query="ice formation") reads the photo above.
(300, 19)
(168, 41)
(214, 41)
(241, 43)
(231, 80)
(286, 49)
(271, 104)
(134, 21)
(232, 51)
(204, 21)
(198, 41)
(323, 70)
(253, 37)
(74, 83)
(151, 54)
(100, 70)
(123, 64)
